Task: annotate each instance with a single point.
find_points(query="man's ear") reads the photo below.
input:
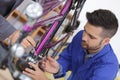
(106, 41)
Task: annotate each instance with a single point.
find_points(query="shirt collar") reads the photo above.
(90, 55)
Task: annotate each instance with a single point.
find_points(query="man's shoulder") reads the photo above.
(79, 34)
(109, 58)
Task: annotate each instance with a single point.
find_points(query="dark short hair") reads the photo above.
(105, 19)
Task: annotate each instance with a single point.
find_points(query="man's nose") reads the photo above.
(84, 37)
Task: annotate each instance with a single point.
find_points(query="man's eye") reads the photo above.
(92, 37)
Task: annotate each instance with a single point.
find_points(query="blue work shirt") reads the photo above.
(102, 66)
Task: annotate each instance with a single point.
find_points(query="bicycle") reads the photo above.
(44, 46)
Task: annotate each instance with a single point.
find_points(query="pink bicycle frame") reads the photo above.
(54, 25)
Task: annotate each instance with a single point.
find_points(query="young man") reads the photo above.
(89, 56)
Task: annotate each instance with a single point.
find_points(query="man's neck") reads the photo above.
(94, 51)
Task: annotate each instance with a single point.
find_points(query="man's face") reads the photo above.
(91, 40)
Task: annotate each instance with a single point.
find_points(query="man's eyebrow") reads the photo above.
(89, 34)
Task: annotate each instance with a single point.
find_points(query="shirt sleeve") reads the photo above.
(60, 73)
(65, 58)
(6, 29)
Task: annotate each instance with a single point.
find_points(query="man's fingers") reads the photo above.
(50, 59)
(35, 66)
(43, 64)
(29, 71)
(28, 74)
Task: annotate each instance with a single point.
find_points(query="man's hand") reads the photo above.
(35, 74)
(50, 65)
